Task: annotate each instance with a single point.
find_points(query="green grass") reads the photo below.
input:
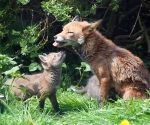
(78, 110)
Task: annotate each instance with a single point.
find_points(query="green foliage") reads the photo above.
(84, 8)
(77, 77)
(2, 31)
(64, 65)
(12, 71)
(34, 66)
(61, 9)
(115, 4)
(99, 0)
(65, 79)
(84, 67)
(18, 36)
(5, 63)
(57, 8)
(6, 17)
(29, 39)
(24, 2)
(7, 68)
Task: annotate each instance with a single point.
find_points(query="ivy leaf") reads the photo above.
(12, 71)
(14, 32)
(78, 68)
(13, 62)
(24, 2)
(64, 65)
(34, 66)
(86, 66)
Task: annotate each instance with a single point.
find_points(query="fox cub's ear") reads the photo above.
(76, 18)
(44, 61)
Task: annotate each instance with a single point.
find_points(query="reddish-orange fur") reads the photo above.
(114, 66)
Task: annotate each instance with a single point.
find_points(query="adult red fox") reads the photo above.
(43, 84)
(114, 66)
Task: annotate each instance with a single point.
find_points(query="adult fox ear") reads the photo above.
(90, 27)
(76, 18)
(43, 61)
(95, 25)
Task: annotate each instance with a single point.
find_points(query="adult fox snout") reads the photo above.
(55, 37)
(59, 41)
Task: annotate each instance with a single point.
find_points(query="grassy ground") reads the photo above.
(78, 110)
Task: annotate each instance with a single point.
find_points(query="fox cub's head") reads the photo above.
(52, 60)
(74, 33)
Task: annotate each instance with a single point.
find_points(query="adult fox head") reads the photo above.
(52, 60)
(75, 33)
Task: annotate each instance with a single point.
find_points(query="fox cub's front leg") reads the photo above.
(54, 102)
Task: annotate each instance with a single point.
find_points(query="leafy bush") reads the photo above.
(62, 10)
(57, 8)
(6, 63)
(115, 4)
(29, 41)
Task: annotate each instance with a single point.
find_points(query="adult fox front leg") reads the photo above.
(104, 78)
(114, 66)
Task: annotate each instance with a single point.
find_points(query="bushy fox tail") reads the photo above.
(82, 91)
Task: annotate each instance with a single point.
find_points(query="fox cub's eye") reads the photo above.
(70, 32)
(54, 56)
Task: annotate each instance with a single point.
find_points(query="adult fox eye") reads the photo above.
(70, 32)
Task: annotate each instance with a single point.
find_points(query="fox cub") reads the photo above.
(43, 84)
(92, 89)
(115, 67)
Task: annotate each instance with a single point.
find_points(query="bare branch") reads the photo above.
(130, 40)
(136, 20)
(137, 42)
(105, 14)
(105, 3)
(128, 13)
(145, 34)
(146, 5)
(134, 36)
(145, 14)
